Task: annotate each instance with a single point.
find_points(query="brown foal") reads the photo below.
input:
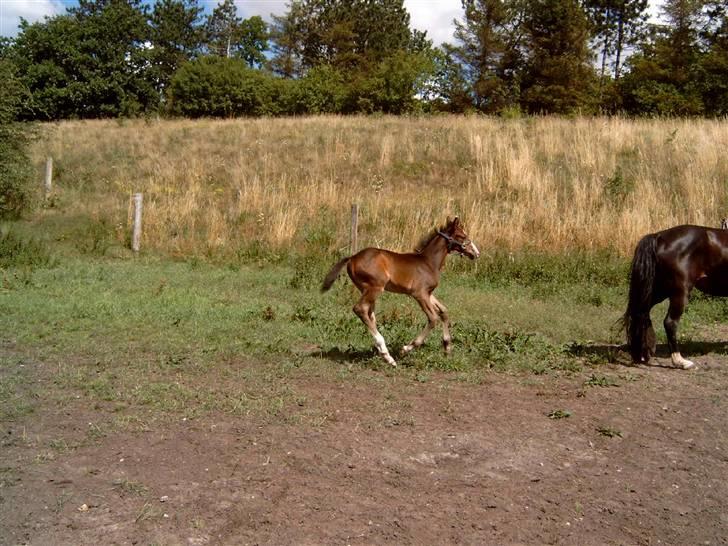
(374, 270)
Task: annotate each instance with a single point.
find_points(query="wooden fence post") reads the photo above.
(136, 237)
(354, 228)
(48, 185)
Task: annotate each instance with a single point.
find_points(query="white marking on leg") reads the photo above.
(382, 348)
(681, 362)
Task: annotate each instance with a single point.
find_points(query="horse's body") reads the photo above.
(374, 270)
(668, 265)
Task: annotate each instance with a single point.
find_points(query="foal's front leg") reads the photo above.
(442, 311)
(429, 308)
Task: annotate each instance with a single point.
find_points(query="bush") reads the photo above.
(17, 252)
(16, 173)
(320, 91)
(221, 87)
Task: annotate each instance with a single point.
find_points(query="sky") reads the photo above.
(434, 16)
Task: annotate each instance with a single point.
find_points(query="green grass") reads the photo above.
(163, 337)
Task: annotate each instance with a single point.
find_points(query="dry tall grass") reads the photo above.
(552, 184)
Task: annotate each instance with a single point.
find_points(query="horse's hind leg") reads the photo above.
(364, 309)
(672, 321)
(430, 310)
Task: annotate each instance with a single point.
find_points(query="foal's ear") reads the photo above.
(456, 221)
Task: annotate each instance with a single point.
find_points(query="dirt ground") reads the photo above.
(391, 460)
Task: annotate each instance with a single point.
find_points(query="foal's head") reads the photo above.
(457, 240)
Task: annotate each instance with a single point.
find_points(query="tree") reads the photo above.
(366, 42)
(16, 173)
(176, 36)
(489, 51)
(557, 76)
(91, 62)
(448, 89)
(49, 62)
(346, 34)
(712, 69)
(222, 29)
(252, 41)
(230, 36)
(115, 57)
(616, 24)
(662, 77)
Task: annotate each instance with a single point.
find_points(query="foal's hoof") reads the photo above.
(389, 360)
(406, 349)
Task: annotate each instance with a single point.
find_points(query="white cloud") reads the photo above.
(31, 10)
(248, 8)
(435, 16)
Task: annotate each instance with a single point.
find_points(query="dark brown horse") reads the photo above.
(667, 265)
(374, 270)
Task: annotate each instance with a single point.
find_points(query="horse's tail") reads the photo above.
(636, 320)
(334, 273)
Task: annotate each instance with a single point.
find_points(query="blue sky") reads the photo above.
(434, 16)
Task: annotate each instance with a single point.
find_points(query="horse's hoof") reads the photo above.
(681, 362)
(406, 349)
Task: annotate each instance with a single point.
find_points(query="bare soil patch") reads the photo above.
(381, 459)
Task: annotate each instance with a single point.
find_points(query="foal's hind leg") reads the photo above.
(364, 309)
(430, 310)
(672, 320)
(442, 311)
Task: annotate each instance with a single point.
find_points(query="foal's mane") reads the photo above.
(425, 239)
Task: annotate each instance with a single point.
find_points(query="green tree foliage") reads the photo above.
(16, 173)
(176, 36)
(367, 43)
(321, 91)
(390, 86)
(252, 41)
(115, 61)
(712, 69)
(489, 51)
(222, 28)
(449, 89)
(230, 36)
(557, 76)
(88, 63)
(108, 58)
(661, 76)
(345, 33)
(222, 87)
(616, 25)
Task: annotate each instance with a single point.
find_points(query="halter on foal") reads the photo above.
(668, 264)
(374, 270)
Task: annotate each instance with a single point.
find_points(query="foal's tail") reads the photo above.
(636, 320)
(331, 277)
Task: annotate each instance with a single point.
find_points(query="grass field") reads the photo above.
(205, 391)
(231, 189)
(243, 218)
(169, 336)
